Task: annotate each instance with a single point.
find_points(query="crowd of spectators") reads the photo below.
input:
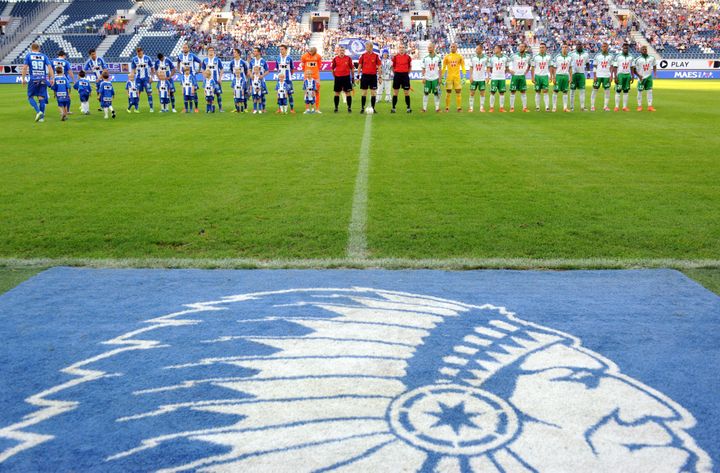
(588, 21)
(679, 24)
(379, 21)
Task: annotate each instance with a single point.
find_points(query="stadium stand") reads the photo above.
(675, 28)
(86, 16)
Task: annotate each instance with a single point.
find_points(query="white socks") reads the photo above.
(523, 98)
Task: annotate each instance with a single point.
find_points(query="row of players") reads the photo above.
(567, 72)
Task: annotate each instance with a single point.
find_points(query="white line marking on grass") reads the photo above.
(357, 237)
(369, 263)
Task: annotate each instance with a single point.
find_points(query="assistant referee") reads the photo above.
(343, 72)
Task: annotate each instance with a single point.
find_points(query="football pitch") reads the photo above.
(442, 190)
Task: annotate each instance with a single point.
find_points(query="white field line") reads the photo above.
(380, 263)
(357, 236)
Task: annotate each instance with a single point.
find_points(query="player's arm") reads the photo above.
(462, 67)
(49, 67)
(445, 68)
(654, 70)
(423, 73)
(552, 72)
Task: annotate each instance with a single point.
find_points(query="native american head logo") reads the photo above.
(358, 380)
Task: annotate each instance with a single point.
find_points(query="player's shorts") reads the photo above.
(562, 83)
(164, 100)
(453, 83)
(401, 81)
(478, 85)
(518, 84)
(171, 87)
(497, 86)
(239, 99)
(209, 98)
(84, 97)
(133, 101)
(542, 83)
(144, 85)
(343, 84)
(578, 81)
(623, 83)
(368, 81)
(218, 89)
(645, 84)
(106, 102)
(63, 103)
(604, 81)
(432, 87)
(37, 88)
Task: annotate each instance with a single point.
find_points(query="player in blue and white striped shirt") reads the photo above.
(285, 65)
(238, 64)
(215, 66)
(257, 61)
(144, 70)
(188, 60)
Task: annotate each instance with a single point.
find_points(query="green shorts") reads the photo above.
(604, 81)
(645, 84)
(518, 83)
(542, 83)
(562, 83)
(432, 87)
(578, 81)
(497, 86)
(478, 85)
(623, 83)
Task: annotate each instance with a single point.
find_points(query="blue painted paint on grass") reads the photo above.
(423, 367)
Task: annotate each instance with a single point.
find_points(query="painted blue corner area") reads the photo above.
(478, 371)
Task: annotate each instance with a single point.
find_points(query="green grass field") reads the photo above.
(606, 188)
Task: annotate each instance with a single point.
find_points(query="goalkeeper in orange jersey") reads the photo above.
(452, 64)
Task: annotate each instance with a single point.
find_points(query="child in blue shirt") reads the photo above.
(163, 87)
(133, 93)
(238, 86)
(209, 87)
(106, 92)
(61, 87)
(189, 89)
(282, 93)
(84, 89)
(259, 89)
(309, 86)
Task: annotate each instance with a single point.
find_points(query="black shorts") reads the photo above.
(343, 84)
(401, 81)
(368, 81)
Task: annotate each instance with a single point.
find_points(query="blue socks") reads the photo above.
(33, 104)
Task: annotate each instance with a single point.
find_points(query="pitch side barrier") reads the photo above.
(697, 69)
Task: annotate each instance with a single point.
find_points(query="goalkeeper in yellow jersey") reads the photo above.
(453, 63)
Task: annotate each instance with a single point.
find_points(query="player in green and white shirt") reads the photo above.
(478, 77)
(580, 60)
(644, 68)
(602, 75)
(560, 71)
(431, 66)
(623, 65)
(519, 66)
(498, 68)
(540, 74)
